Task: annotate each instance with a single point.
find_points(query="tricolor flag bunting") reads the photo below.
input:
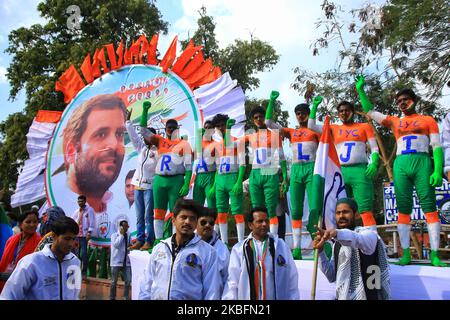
(328, 182)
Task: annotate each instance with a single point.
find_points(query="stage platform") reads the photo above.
(413, 282)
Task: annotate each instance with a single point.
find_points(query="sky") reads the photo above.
(288, 25)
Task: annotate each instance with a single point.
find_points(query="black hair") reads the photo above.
(408, 92)
(82, 197)
(255, 209)
(208, 122)
(304, 107)
(172, 121)
(219, 118)
(352, 203)
(63, 225)
(130, 174)
(187, 204)
(121, 222)
(209, 212)
(346, 103)
(24, 215)
(256, 110)
(152, 130)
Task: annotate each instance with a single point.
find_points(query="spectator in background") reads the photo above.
(21, 244)
(5, 229)
(50, 274)
(85, 218)
(120, 261)
(47, 220)
(142, 182)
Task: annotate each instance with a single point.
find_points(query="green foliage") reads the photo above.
(41, 53)
(242, 59)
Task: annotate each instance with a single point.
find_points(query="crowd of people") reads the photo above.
(189, 244)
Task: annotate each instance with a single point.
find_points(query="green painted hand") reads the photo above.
(274, 95)
(371, 170)
(360, 81)
(184, 190)
(436, 179)
(230, 123)
(211, 193)
(317, 100)
(237, 188)
(284, 186)
(146, 105)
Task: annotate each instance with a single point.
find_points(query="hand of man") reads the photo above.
(230, 123)
(323, 236)
(371, 170)
(129, 113)
(359, 82)
(211, 193)
(237, 188)
(274, 95)
(146, 105)
(436, 180)
(284, 186)
(184, 190)
(317, 100)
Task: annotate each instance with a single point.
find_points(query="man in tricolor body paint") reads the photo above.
(264, 180)
(304, 144)
(350, 140)
(205, 167)
(228, 179)
(172, 174)
(412, 166)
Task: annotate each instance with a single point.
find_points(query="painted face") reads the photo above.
(258, 120)
(302, 116)
(222, 126)
(345, 113)
(171, 128)
(64, 243)
(345, 217)
(185, 222)
(260, 225)
(99, 158)
(129, 191)
(405, 102)
(29, 225)
(205, 227)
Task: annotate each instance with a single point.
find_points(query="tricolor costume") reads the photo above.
(303, 142)
(205, 170)
(414, 134)
(351, 141)
(172, 176)
(266, 157)
(228, 184)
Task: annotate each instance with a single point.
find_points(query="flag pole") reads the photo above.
(315, 267)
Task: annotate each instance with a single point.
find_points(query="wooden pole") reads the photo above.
(315, 267)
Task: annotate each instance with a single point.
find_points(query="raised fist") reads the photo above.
(274, 94)
(359, 82)
(317, 100)
(230, 123)
(146, 105)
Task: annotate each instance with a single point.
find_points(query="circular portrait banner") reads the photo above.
(90, 152)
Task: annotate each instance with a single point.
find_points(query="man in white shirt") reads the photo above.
(261, 266)
(85, 218)
(358, 253)
(120, 261)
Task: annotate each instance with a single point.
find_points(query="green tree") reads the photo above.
(242, 59)
(41, 53)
